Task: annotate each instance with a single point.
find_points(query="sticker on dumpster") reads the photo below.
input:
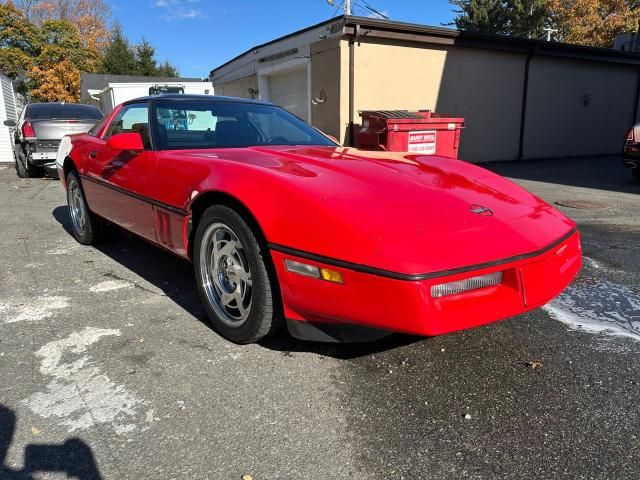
(423, 142)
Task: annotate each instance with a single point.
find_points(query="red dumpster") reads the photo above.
(422, 132)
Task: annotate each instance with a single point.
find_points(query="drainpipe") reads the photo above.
(352, 62)
(523, 111)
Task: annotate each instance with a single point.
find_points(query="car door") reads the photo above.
(117, 182)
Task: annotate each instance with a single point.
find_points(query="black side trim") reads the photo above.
(162, 205)
(419, 276)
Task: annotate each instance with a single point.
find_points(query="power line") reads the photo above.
(350, 6)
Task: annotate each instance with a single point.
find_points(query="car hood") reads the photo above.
(406, 212)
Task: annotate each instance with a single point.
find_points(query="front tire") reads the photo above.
(87, 228)
(235, 279)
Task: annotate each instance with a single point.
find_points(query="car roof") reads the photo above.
(62, 104)
(183, 96)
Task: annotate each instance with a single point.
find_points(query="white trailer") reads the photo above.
(116, 93)
(7, 112)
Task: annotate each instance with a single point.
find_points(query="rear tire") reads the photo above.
(23, 169)
(88, 228)
(235, 278)
(636, 172)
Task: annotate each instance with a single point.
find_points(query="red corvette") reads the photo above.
(284, 225)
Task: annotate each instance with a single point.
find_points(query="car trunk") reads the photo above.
(54, 129)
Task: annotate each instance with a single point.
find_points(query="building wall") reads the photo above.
(7, 112)
(326, 89)
(484, 87)
(239, 87)
(576, 107)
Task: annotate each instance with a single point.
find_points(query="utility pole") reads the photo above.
(347, 7)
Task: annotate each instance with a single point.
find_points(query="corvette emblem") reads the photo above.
(480, 210)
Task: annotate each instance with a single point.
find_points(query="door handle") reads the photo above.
(93, 154)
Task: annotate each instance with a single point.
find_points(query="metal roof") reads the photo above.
(372, 27)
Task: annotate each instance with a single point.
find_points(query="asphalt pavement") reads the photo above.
(107, 369)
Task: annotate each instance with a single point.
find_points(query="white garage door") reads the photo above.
(289, 90)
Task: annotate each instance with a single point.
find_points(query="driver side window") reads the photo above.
(132, 119)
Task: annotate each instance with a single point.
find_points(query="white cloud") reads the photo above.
(178, 9)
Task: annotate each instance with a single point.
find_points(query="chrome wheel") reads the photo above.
(226, 275)
(77, 208)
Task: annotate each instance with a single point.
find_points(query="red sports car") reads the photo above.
(285, 226)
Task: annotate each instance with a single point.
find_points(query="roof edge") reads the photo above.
(279, 39)
(469, 37)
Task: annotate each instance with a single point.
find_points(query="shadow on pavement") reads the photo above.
(175, 278)
(343, 351)
(601, 173)
(73, 458)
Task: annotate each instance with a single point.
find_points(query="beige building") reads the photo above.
(521, 98)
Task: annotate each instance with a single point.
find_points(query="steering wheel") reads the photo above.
(277, 139)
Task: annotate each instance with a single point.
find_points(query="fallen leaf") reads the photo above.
(247, 477)
(36, 431)
(534, 365)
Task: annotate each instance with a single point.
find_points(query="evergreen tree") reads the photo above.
(522, 18)
(119, 58)
(167, 70)
(145, 59)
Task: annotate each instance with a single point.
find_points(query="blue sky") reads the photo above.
(198, 35)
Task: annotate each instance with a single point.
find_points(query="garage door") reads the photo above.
(289, 90)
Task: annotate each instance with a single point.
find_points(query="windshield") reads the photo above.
(62, 111)
(193, 124)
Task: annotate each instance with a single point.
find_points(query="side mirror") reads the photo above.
(10, 123)
(125, 141)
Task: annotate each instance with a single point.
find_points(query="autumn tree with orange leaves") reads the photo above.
(91, 17)
(593, 22)
(47, 57)
(62, 57)
(587, 22)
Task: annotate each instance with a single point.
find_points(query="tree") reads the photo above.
(59, 83)
(594, 22)
(486, 16)
(55, 75)
(522, 18)
(91, 17)
(118, 57)
(19, 41)
(145, 59)
(167, 70)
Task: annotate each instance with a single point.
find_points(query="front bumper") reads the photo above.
(407, 306)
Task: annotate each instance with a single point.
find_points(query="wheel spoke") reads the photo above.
(226, 276)
(238, 297)
(227, 299)
(243, 275)
(228, 248)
